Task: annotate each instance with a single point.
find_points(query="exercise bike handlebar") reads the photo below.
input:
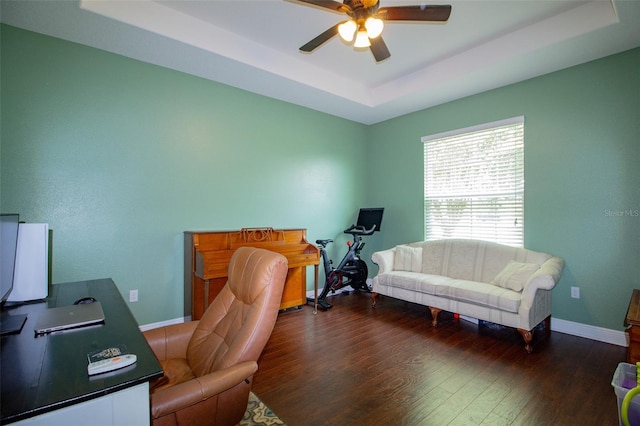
(360, 230)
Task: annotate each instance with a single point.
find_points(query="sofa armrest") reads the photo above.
(544, 278)
(384, 260)
(170, 341)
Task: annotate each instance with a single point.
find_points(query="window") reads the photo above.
(474, 183)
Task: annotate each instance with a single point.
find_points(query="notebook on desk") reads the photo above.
(67, 317)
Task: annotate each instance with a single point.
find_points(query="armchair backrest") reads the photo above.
(239, 321)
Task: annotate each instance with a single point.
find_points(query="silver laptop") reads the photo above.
(67, 317)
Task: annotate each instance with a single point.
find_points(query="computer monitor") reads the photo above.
(370, 216)
(9, 224)
(8, 245)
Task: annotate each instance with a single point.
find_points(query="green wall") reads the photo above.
(120, 157)
(582, 172)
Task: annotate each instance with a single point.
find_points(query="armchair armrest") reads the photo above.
(191, 392)
(170, 341)
(384, 260)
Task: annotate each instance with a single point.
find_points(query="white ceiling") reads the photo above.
(253, 45)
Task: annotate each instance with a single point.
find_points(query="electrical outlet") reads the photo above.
(133, 295)
(575, 292)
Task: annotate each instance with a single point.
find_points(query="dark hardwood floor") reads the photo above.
(358, 365)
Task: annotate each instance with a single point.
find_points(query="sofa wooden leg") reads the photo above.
(373, 298)
(547, 325)
(434, 315)
(527, 335)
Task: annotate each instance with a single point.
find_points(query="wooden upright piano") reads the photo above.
(207, 255)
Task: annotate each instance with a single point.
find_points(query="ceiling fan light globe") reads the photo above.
(374, 27)
(347, 30)
(362, 39)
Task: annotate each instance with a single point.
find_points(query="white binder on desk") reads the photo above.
(30, 277)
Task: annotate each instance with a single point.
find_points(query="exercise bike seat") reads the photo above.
(323, 242)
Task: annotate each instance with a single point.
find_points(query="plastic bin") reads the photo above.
(625, 378)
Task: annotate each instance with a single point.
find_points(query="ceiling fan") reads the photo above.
(366, 22)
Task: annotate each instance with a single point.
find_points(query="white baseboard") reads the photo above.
(310, 294)
(164, 323)
(592, 332)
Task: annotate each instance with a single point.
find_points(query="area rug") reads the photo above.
(258, 414)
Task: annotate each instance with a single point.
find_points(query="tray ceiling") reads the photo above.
(253, 45)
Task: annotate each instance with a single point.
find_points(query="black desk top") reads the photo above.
(45, 373)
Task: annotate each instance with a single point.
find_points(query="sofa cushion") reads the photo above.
(408, 259)
(485, 295)
(515, 275)
(415, 281)
(481, 294)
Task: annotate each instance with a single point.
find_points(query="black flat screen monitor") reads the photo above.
(369, 217)
(8, 246)
(9, 224)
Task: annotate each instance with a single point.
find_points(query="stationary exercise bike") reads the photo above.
(352, 271)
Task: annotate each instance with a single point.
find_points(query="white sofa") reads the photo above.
(479, 279)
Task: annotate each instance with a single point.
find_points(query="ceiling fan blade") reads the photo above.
(322, 38)
(416, 13)
(327, 4)
(379, 49)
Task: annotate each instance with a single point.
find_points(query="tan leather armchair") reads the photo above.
(209, 364)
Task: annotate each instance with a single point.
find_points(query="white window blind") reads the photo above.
(474, 183)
